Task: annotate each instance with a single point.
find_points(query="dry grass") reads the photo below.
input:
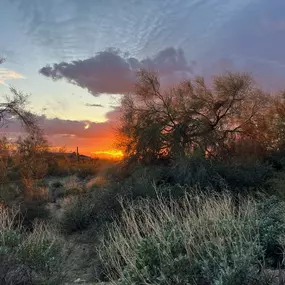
(197, 240)
(98, 181)
(37, 256)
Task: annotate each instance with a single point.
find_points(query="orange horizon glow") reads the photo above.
(112, 153)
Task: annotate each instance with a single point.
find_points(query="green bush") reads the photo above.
(271, 215)
(162, 242)
(199, 239)
(276, 159)
(276, 185)
(141, 181)
(194, 171)
(32, 209)
(29, 257)
(245, 177)
(12, 272)
(41, 249)
(77, 213)
(94, 208)
(206, 173)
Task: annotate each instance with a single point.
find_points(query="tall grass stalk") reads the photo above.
(197, 239)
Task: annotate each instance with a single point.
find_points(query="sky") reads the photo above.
(76, 58)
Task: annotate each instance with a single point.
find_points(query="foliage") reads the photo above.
(29, 257)
(162, 243)
(15, 106)
(93, 208)
(62, 165)
(195, 171)
(199, 239)
(188, 117)
(272, 229)
(32, 158)
(31, 210)
(77, 214)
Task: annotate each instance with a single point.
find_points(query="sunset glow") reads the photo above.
(117, 154)
(75, 85)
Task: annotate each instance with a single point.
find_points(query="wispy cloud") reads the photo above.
(94, 105)
(6, 74)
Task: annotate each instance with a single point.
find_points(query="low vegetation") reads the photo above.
(198, 239)
(197, 199)
(29, 257)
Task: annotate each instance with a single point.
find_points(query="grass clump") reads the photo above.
(77, 214)
(199, 239)
(29, 257)
(272, 229)
(93, 208)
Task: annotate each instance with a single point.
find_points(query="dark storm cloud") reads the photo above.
(112, 72)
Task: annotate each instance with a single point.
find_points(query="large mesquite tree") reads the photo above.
(156, 123)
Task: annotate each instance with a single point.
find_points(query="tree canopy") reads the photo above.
(193, 116)
(14, 106)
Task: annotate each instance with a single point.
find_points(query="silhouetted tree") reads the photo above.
(32, 159)
(191, 116)
(14, 106)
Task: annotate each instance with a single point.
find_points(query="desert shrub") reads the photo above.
(72, 186)
(40, 249)
(32, 209)
(93, 208)
(58, 167)
(193, 171)
(276, 159)
(32, 257)
(9, 192)
(14, 273)
(77, 213)
(10, 229)
(217, 175)
(168, 243)
(85, 170)
(198, 171)
(11, 270)
(99, 181)
(271, 215)
(65, 165)
(247, 177)
(275, 185)
(141, 181)
(199, 239)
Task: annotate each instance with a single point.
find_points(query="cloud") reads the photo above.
(94, 105)
(6, 74)
(70, 128)
(112, 72)
(71, 133)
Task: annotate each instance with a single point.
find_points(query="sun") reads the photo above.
(87, 125)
